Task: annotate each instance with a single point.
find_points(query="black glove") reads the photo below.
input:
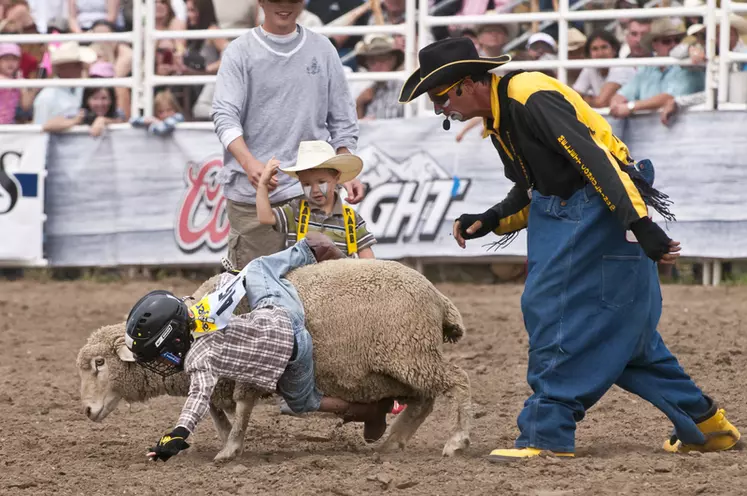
(170, 444)
(489, 219)
(652, 238)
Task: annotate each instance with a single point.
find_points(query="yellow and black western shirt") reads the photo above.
(553, 142)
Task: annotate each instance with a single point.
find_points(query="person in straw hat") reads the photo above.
(696, 40)
(378, 53)
(592, 299)
(320, 172)
(68, 61)
(652, 86)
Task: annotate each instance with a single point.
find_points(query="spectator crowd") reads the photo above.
(624, 90)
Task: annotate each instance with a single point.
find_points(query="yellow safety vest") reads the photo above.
(304, 214)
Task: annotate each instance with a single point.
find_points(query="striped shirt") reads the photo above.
(385, 103)
(332, 225)
(253, 349)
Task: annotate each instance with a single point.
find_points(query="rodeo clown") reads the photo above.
(592, 299)
(269, 349)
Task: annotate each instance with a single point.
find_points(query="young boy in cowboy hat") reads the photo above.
(592, 300)
(320, 171)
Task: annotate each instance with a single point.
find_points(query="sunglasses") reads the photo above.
(668, 41)
(441, 98)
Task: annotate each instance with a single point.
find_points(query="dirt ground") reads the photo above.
(48, 446)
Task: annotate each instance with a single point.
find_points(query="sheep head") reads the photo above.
(108, 374)
(100, 362)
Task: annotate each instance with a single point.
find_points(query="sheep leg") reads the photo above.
(221, 422)
(407, 423)
(460, 414)
(235, 444)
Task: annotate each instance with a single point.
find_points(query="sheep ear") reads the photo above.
(123, 352)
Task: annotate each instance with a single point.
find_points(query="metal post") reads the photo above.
(706, 272)
(723, 48)
(137, 57)
(422, 29)
(563, 39)
(710, 50)
(717, 272)
(150, 57)
(410, 46)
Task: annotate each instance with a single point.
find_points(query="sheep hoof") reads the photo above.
(389, 446)
(227, 454)
(455, 445)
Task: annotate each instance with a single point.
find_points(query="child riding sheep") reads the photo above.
(268, 349)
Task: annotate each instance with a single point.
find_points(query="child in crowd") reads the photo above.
(320, 171)
(167, 114)
(10, 98)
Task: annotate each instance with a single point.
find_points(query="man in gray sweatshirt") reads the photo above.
(278, 85)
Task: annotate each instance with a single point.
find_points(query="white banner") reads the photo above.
(22, 172)
(129, 198)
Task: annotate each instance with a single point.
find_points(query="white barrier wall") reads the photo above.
(128, 198)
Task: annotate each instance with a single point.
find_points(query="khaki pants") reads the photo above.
(248, 239)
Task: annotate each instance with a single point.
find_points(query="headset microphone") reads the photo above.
(446, 124)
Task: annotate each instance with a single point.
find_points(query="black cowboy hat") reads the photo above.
(446, 62)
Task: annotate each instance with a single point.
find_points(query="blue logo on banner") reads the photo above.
(17, 185)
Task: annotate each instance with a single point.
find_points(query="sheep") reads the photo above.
(377, 327)
(106, 380)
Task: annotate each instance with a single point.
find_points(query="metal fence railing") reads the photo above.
(418, 19)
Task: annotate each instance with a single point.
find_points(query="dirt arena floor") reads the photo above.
(48, 446)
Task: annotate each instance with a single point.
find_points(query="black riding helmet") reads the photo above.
(158, 332)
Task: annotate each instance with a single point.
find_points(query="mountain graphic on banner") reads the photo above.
(380, 168)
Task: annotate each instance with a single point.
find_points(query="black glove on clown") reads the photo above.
(652, 238)
(490, 222)
(170, 444)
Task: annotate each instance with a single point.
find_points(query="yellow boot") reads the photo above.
(719, 433)
(509, 455)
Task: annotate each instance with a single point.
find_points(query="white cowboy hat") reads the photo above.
(661, 28)
(735, 22)
(320, 154)
(576, 39)
(71, 52)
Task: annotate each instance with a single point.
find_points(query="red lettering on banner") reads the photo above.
(202, 218)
